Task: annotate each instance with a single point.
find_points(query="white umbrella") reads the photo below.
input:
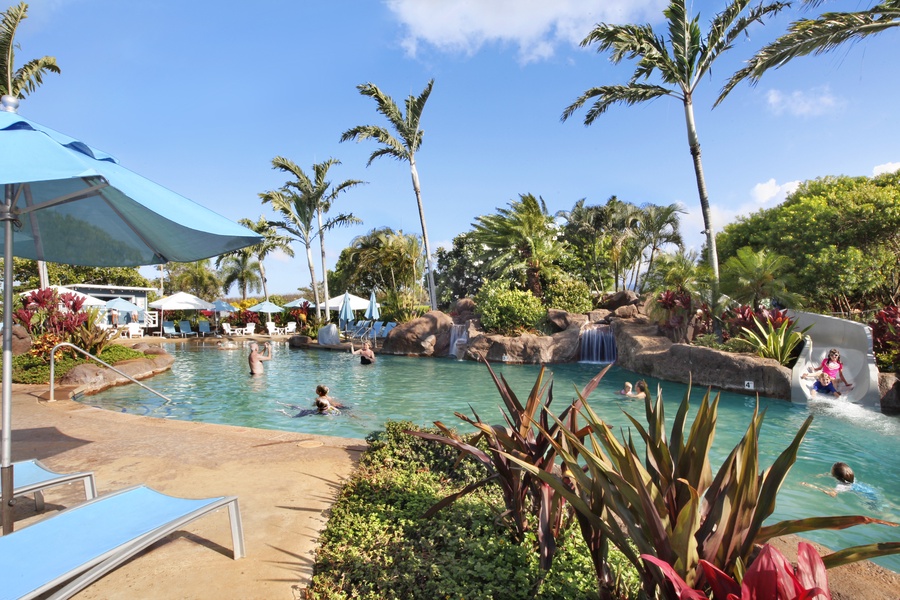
(182, 301)
(356, 303)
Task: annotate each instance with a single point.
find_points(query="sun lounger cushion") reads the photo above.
(83, 543)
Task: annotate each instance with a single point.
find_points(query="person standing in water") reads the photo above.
(366, 356)
(256, 359)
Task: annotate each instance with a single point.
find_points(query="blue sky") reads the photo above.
(200, 96)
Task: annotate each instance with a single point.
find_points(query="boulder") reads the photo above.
(91, 377)
(562, 320)
(21, 341)
(623, 298)
(463, 311)
(640, 348)
(629, 311)
(601, 315)
(299, 341)
(560, 347)
(429, 335)
(889, 386)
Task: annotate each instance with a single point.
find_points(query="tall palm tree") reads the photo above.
(271, 242)
(521, 239)
(816, 36)
(18, 83)
(387, 259)
(320, 190)
(680, 62)
(679, 272)
(241, 269)
(404, 149)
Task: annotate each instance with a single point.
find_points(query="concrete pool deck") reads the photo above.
(285, 482)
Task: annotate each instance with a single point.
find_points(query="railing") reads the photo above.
(105, 364)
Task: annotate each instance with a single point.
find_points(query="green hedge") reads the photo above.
(507, 311)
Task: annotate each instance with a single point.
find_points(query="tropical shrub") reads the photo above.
(46, 311)
(886, 338)
(781, 343)
(90, 336)
(507, 311)
(569, 294)
(30, 369)
(666, 501)
(402, 306)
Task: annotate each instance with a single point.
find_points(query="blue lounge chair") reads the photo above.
(203, 328)
(387, 329)
(169, 329)
(184, 327)
(32, 477)
(81, 544)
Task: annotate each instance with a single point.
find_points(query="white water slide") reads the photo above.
(853, 341)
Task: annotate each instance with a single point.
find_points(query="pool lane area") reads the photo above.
(213, 386)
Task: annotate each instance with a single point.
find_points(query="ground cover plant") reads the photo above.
(379, 545)
(28, 368)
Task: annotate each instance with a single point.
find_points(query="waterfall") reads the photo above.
(598, 345)
(459, 335)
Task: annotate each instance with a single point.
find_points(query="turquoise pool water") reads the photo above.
(213, 386)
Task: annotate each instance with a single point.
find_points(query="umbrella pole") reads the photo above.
(6, 468)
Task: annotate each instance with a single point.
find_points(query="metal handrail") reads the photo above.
(105, 364)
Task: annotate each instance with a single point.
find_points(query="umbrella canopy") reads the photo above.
(346, 309)
(356, 303)
(66, 202)
(88, 299)
(182, 301)
(372, 312)
(222, 306)
(297, 303)
(123, 305)
(266, 307)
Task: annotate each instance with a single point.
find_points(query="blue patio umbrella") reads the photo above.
(124, 307)
(296, 303)
(346, 314)
(66, 202)
(266, 307)
(372, 312)
(221, 306)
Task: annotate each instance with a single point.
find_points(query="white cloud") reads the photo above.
(885, 168)
(535, 26)
(770, 190)
(812, 103)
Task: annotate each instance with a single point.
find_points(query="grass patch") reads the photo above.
(377, 545)
(32, 369)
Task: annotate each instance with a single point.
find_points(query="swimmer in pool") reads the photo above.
(325, 404)
(256, 358)
(366, 356)
(626, 389)
(846, 482)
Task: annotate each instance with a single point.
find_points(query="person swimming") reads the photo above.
(326, 404)
(846, 482)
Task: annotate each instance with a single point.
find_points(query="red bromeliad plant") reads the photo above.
(886, 338)
(770, 577)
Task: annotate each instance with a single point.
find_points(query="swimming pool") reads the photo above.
(213, 386)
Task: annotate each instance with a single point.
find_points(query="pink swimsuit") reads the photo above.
(832, 368)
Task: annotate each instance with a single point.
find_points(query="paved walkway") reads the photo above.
(284, 482)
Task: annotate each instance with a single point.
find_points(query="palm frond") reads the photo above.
(609, 95)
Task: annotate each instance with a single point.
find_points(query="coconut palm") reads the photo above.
(585, 232)
(680, 62)
(18, 83)
(521, 240)
(678, 272)
(271, 242)
(384, 258)
(239, 268)
(751, 277)
(815, 36)
(325, 194)
(403, 149)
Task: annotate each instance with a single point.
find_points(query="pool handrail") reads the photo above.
(105, 364)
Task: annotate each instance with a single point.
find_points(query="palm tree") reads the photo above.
(585, 232)
(324, 194)
(19, 83)
(750, 277)
(195, 277)
(816, 36)
(404, 148)
(680, 63)
(658, 227)
(521, 239)
(271, 242)
(384, 258)
(242, 269)
(679, 272)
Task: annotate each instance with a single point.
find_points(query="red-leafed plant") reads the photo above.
(770, 577)
(744, 317)
(886, 338)
(46, 311)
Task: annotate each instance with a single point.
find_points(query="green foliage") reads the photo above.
(401, 306)
(752, 277)
(886, 338)
(459, 273)
(31, 369)
(778, 342)
(843, 237)
(734, 344)
(569, 294)
(90, 336)
(378, 546)
(666, 501)
(507, 311)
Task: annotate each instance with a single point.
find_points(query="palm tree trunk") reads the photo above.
(312, 278)
(694, 144)
(262, 274)
(324, 268)
(428, 266)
